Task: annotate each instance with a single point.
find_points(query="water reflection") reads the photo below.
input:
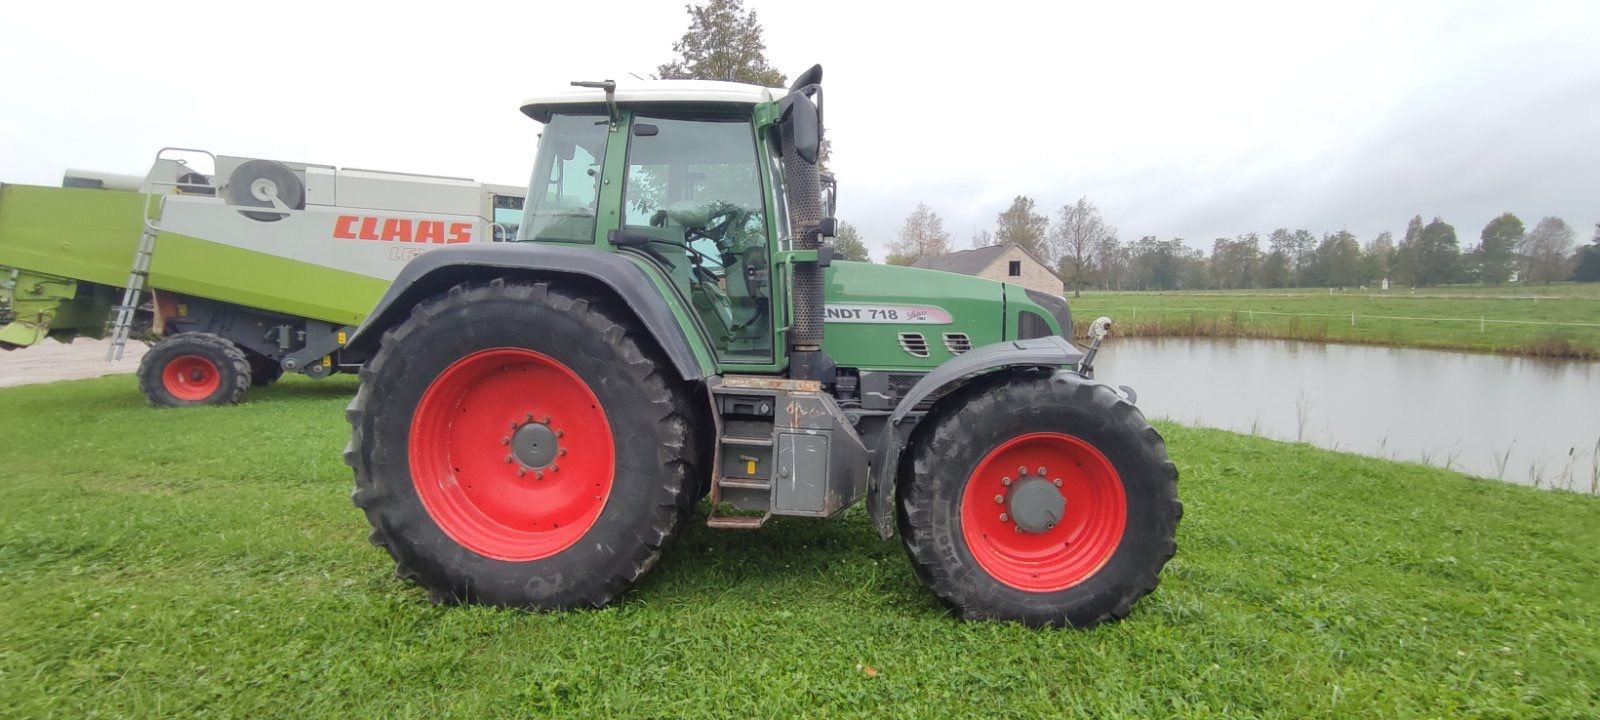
(1526, 420)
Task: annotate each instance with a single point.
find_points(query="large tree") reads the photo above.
(723, 42)
(1377, 258)
(922, 236)
(1110, 263)
(1437, 251)
(1545, 250)
(847, 245)
(1021, 225)
(1078, 231)
(1497, 249)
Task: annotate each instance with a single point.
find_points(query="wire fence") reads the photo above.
(1355, 318)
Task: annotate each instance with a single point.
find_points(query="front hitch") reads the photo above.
(1098, 330)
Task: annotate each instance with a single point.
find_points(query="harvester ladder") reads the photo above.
(128, 309)
(125, 312)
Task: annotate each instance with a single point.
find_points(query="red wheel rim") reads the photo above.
(484, 497)
(191, 377)
(1081, 541)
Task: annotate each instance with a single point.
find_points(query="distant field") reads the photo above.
(1561, 320)
(207, 562)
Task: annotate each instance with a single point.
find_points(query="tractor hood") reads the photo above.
(887, 317)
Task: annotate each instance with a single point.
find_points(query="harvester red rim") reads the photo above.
(1077, 546)
(191, 377)
(477, 487)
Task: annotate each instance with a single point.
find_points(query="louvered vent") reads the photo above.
(914, 344)
(957, 343)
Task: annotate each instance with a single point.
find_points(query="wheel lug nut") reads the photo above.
(1042, 471)
(521, 472)
(1022, 470)
(999, 498)
(1004, 517)
(528, 417)
(510, 458)
(1005, 481)
(1057, 481)
(545, 420)
(505, 441)
(561, 433)
(538, 474)
(554, 467)
(561, 451)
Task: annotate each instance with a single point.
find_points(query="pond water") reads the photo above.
(1523, 420)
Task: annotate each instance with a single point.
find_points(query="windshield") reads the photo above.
(566, 180)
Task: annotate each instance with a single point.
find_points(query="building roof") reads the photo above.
(688, 92)
(972, 262)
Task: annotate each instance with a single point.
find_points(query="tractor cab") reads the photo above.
(689, 184)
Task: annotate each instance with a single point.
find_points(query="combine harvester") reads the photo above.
(237, 275)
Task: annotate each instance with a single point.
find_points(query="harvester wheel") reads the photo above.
(264, 371)
(194, 369)
(522, 445)
(1038, 497)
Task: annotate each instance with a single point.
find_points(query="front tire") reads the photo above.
(194, 369)
(1038, 497)
(522, 445)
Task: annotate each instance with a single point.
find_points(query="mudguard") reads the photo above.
(1046, 352)
(438, 270)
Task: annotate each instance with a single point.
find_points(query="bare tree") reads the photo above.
(1546, 250)
(923, 236)
(1078, 232)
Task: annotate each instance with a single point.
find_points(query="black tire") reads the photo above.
(965, 427)
(264, 371)
(220, 356)
(649, 409)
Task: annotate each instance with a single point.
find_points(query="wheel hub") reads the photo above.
(1036, 504)
(535, 445)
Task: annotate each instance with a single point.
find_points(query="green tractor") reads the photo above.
(536, 420)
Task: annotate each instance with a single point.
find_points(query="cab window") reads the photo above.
(565, 187)
(693, 183)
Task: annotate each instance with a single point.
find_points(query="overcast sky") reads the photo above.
(1185, 119)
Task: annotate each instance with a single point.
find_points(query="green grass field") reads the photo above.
(1456, 317)
(208, 563)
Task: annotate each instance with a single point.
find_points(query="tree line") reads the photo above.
(1086, 252)
(724, 41)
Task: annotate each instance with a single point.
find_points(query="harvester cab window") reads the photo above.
(566, 180)
(694, 182)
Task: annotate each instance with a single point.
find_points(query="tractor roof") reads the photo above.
(650, 92)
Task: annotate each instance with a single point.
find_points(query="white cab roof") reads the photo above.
(688, 92)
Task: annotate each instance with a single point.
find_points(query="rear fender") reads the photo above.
(1046, 352)
(436, 271)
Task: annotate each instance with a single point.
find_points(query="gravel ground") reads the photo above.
(50, 361)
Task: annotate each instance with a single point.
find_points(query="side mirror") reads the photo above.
(830, 195)
(805, 126)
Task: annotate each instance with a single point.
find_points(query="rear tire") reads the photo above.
(499, 377)
(996, 537)
(194, 369)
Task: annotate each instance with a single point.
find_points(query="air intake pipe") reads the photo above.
(801, 134)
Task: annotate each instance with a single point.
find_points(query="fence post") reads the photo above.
(1352, 319)
(1480, 323)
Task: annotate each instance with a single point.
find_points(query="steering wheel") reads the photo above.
(716, 226)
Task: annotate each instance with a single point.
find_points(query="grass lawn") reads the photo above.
(1456, 317)
(207, 562)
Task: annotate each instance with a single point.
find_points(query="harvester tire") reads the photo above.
(523, 445)
(194, 369)
(1038, 497)
(264, 371)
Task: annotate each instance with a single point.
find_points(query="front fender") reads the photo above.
(438, 270)
(1046, 352)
